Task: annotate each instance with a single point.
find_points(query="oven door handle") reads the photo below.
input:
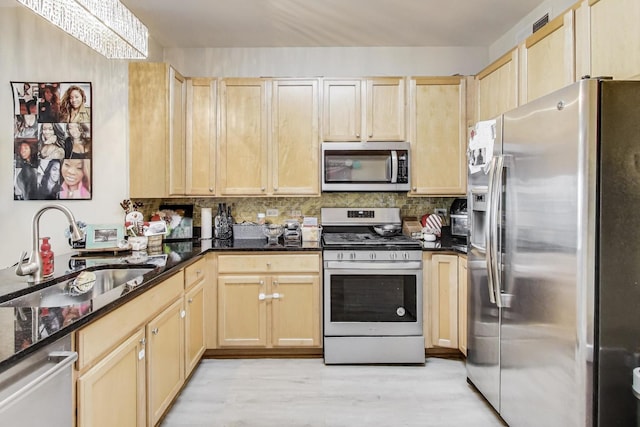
(349, 265)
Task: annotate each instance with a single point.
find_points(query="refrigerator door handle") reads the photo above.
(488, 231)
(495, 189)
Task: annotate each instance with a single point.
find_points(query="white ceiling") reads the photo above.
(323, 23)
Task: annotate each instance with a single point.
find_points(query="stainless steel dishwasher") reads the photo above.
(37, 390)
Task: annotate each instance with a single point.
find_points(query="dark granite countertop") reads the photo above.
(28, 327)
(447, 243)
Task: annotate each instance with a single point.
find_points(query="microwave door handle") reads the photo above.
(394, 166)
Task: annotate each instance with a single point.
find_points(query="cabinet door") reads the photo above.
(176, 159)
(112, 393)
(615, 38)
(439, 142)
(242, 315)
(165, 359)
(462, 304)
(444, 300)
(194, 326)
(386, 117)
(342, 112)
(295, 138)
(547, 59)
(201, 137)
(295, 311)
(498, 86)
(148, 124)
(243, 137)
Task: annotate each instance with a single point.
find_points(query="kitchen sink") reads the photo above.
(86, 285)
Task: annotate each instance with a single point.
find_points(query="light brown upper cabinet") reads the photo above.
(361, 110)
(294, 145)
(201, 137)
(497, 86)
(547, 58)
(244, 134)
(438, 140)
(156, 130)
(269, 142)
(608, 38)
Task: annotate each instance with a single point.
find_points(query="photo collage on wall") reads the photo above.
(52, 141)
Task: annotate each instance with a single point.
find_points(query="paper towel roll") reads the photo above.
(205, 226)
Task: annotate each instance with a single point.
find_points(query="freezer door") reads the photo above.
(483, 316)
(548, 179)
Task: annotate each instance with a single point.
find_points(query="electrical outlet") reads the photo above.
(440, 211)
(295, 213)
(272, 212)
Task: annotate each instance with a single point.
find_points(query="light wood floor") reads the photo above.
(307, 393)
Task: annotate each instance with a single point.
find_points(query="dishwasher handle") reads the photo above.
(62, 359)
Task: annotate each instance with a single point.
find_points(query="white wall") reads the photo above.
(523, 29)
(327, 61)
(33, 50)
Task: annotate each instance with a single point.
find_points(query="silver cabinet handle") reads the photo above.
(155, 331)
(143, 341)
(274, 283)
(190, 300)
(62, 359)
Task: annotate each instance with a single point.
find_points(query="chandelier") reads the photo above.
(106, 26)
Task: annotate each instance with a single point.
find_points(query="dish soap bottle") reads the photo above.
(46, 257)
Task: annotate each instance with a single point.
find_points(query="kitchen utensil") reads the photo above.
(386, 230)
(272, 232)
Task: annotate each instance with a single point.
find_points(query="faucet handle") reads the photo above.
(24, 269)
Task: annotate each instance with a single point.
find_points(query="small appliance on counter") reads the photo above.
(292, 234)
(459, 219)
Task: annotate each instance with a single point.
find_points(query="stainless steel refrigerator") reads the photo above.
(554, 257)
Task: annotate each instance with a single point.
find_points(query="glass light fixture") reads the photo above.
(106, 26)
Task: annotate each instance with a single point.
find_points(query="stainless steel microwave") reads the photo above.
(365, 166)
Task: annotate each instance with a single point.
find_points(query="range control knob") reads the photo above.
(372, 255)
(405, 255)
(340, 255)
(352, 255)
(393, 255)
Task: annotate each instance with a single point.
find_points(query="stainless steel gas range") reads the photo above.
(372, 289)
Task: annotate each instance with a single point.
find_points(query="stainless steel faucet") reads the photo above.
(33, 267)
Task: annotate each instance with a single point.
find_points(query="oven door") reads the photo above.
(372, 298)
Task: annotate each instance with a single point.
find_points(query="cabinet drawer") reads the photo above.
(194, 273)
(269, 263)
(107, 332)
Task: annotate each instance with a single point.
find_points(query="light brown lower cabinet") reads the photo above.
(268, 301)
(133, 361)
(194, 337)
(112, 393)
(165, 359)
(445, 301)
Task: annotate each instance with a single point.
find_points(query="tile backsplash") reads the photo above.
(247, 208)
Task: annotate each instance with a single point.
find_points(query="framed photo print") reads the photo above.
(52, 140)
(103, 236)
